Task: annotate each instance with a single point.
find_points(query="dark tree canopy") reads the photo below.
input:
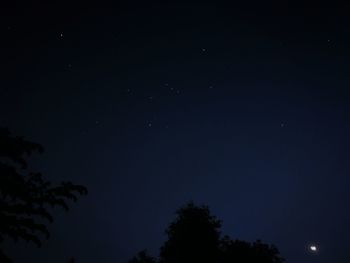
(142, 257)
(241, 251)
(194, 237)
(25, 197)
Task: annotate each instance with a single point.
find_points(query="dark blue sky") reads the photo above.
(241, 107)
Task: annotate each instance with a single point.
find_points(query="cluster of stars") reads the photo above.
(151, 98)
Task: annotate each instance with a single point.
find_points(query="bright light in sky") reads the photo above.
(313, 248)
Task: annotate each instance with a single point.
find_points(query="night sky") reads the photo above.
(243, 107)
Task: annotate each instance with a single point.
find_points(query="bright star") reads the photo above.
(313, 248)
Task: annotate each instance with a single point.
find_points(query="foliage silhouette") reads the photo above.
(25, 198)
(194, 236)
(241, 251)
(142, 257)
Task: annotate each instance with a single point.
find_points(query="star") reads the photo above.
(313, 248)
(203, 49)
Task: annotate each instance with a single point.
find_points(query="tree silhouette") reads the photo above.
(241, 251)
(142, 257)
(25, 198)
(194, 236)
